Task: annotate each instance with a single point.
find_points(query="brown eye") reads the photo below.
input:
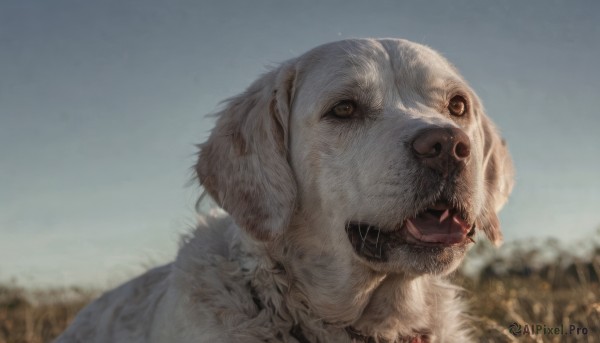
(343, 109)
(457, 105)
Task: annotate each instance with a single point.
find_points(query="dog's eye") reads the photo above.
(457, 105)
(343, 109)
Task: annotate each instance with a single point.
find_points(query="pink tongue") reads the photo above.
(448, 228)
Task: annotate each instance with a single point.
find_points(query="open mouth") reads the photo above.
(439, 225)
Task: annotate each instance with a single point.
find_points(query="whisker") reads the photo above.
(362, 246)
(360, 233)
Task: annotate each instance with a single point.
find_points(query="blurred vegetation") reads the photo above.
(528, 282)
(534, 282)
(37, 316)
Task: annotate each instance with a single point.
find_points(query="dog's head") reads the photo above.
(378, 147)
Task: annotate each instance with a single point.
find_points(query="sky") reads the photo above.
(101, 103)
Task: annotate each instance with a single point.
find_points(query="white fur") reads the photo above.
(281, 267)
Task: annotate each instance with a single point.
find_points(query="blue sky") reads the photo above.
(101, 104)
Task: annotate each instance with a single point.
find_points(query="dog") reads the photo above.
(352, 180)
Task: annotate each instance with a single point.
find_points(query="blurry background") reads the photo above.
(101, 104)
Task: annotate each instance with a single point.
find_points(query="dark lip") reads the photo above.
(373, 242)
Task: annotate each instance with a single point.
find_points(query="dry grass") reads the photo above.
(541, 283)
(498, 303)
(37, 316)
(520, 283)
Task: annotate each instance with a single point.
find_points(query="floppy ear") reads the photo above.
(244, 165)
(498, 179)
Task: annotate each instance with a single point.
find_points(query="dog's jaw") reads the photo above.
(376, 303)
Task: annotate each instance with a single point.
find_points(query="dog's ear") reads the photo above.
(498, 174)
(243, 165)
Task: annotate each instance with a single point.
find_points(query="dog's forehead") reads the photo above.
(341, 58)
(341, 65)
(386, 65)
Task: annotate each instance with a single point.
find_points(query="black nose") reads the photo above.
(442, 149)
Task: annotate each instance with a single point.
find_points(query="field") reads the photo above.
(37, 316)
(548, 291)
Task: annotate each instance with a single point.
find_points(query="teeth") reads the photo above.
(444, 215)
(413, 229)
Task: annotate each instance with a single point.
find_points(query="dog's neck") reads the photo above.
(397, 308)
(387, 309)
(352, 297)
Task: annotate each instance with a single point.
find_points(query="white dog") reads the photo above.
(355, 176)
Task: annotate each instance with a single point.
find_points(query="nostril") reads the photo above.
(425, 147)
(462, 150)
(441, 144)
(442, 149)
